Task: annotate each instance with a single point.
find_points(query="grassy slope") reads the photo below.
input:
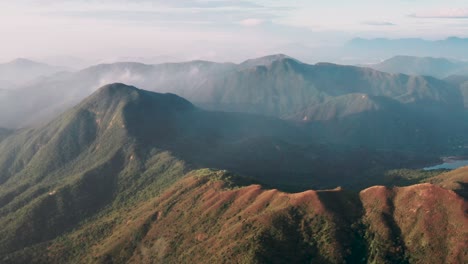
(456, 181)
(56, 176)
(210, 217)
(416, 224)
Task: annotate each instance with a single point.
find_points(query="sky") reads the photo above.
(222, 30)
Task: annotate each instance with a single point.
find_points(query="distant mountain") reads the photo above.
(274, 85)
(411, 110)
(263, 61)
(452, 47)
(146, 60)
(461, 81)
(21, 71)
(436, 67)
(457, 80)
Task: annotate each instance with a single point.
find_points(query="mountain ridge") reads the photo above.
(255, 224)
(220, 85)
(70, 189)
(324, 95)
(22, 71)
(427, 66)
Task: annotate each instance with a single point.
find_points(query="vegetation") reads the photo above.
(456, 181)
(348, 105)
(117, 179)
(406, 177)
(207, 216)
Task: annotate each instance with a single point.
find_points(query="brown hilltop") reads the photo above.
(426, 222)
(456, 180)
(207, 218)
(201, 221)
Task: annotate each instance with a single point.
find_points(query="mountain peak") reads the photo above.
(266, 60)
(112, 92)
(24, 62)
(114, 88)
(116, 93)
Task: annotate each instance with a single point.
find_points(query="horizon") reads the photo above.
(167, 59)
(92, 31)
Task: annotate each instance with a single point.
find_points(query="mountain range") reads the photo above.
(234, 222)
(428, 66)
(22, 71)
(122, 177)
(370, 49)
(325, 96)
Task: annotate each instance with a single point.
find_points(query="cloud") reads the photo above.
(251, 22)
(452, 13)
(378, 23)
(184, 12)
(213, 3)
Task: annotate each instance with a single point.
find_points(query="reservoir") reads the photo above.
(450, 163)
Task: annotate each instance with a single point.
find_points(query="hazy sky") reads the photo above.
(218, 29)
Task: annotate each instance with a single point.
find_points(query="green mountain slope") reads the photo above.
(274, 85)
(55, 176)
(460, 81)
(123, 145)
(329, 96)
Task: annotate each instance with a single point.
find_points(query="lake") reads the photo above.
(450, 163)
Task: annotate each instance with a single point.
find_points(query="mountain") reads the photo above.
(117, 117)
(371, 49)
(275, 85)
(332, 97)
(146, 60)
(263, 61)
(41, 101)
(94, 185)
(436, 67)
(213, 216)
(456, 180)
(122, 145)
(21, 71)
(457, 79)
(287, 86)
(460, 81)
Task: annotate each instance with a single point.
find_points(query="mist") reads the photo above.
(78, 34)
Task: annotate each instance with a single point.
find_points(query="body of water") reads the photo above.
(449, 164)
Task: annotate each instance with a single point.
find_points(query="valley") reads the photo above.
(395, 112)
(233, 132)
(102, 178)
